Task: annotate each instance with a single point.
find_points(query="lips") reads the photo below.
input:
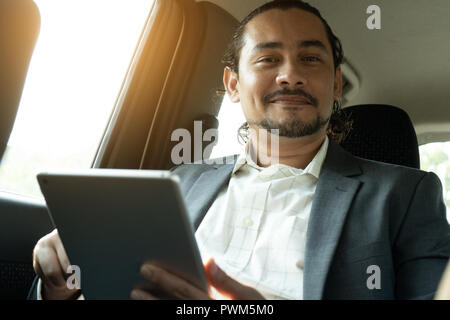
(291, 100)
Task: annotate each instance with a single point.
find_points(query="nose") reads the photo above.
(291, 76)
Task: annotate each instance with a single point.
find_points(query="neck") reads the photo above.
(268, 149)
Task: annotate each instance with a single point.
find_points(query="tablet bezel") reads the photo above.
(70, 197)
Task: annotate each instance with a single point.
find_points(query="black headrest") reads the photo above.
(382, 133)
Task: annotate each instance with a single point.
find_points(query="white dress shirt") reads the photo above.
(256, 228)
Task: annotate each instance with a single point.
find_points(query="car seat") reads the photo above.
(382, 133)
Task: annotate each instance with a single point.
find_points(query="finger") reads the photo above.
(137, 294)
(171, 284)
(228, 286)
(36, 266)
(61, 253)
(49, 268)
(37, 251)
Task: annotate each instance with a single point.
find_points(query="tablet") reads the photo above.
(112, 221)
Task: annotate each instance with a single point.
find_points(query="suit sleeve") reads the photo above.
(422, 245)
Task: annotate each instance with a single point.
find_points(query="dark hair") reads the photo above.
(231, 57)
(339, 125)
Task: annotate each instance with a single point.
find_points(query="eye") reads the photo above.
(311, 59)
(267, 60)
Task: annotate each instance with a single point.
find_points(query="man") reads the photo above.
(308, 221)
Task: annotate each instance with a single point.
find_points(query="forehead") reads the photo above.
(285, 26)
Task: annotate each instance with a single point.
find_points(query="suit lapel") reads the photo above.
(204, 191)
(333, 196)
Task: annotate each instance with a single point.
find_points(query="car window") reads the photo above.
(230, 118)
(80, 60)
(435, 157)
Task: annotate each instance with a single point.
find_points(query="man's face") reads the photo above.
(286, 76)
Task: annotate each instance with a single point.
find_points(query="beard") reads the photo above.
(292, 129)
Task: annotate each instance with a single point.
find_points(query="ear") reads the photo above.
(231, 83)
(338, 83)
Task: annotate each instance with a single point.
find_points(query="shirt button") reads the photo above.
(300, 264)
(248, 222)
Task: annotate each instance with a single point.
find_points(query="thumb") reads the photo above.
(227, 286)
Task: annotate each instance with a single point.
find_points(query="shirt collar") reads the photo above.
(313, 168)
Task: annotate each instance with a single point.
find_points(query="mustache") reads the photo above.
(296, 92)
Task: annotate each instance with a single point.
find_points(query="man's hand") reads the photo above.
(179, 288)
(50, 263)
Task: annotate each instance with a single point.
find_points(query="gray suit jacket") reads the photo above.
(364, 213)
